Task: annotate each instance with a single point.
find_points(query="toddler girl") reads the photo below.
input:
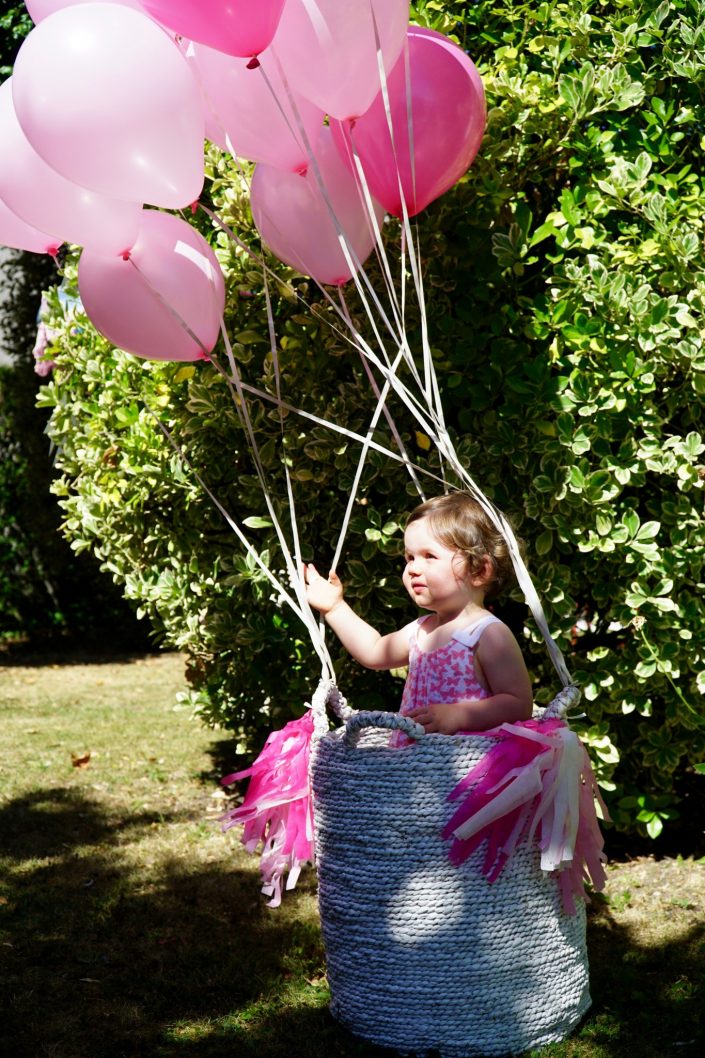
(466, 671)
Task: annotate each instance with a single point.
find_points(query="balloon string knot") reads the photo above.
(126, 254)
(253, 63)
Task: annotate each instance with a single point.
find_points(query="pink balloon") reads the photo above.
(448, 114)
(165, 300)
(15, 233)
(252, 108)
(294, 220)
(41, 9)
(237, 27)
(50, 202)
(329, 52)
(106, 98)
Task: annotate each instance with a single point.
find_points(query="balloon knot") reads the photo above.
(204, 356)
(303, 170)
(126, 254)
(253, 63)
(194, 206)
(53, 251)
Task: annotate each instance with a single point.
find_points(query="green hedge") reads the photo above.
(565, 278)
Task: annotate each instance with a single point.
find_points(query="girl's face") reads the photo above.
(434, 575)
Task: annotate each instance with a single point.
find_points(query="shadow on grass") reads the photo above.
(100, 958)
(71, 652)
(103, 958)
(225, 760)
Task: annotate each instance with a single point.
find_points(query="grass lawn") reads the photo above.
(131, 926)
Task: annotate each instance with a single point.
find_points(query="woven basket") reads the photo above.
(421, 954)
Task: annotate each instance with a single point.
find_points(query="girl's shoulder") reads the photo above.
(412, 629)
(471, 634)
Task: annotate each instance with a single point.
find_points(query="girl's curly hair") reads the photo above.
(461, 524)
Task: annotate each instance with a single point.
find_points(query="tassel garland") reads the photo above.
(277, 809)
(535, 783)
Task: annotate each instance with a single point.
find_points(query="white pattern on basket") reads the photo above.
(421, 954)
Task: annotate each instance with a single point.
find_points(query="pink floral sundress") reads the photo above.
(443, 675)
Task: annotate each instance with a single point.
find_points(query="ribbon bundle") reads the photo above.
(277, 809)
(536, 782)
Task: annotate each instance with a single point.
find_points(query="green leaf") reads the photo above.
(568, 208)
(648, 531)
(544, 231)
(256, 522)
(544, 542)
(654, 826)
(249, 337)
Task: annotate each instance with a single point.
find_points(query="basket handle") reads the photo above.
(392, 721)
(327, 694)
(566, 699)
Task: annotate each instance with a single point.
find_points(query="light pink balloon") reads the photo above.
(165, 301)
(329, 52)
(237, 27)
(41, 9)
(294, 220)
(252, 108)
(50, 202)
(448, 114)
(14, 232)
(107, 99)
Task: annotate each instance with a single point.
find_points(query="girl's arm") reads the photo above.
(500, 659)
(360, 639)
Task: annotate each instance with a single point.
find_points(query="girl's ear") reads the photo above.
(483, 575)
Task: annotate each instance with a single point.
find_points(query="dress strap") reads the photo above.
(413, 629)
(470, 635)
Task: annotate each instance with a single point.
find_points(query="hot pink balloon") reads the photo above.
(237, 27)
(252, 108)
(164, 302)
(14, 232)
(50, 202)
(106, 98)
(448, 114)
(41, 9)
(294, 220)
(329, 53)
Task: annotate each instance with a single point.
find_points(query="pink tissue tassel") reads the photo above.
(536, 780)
(277, 808)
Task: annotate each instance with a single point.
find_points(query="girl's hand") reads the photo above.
(323, 595)
(445, 718)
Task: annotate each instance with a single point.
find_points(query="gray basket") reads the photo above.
(421, 954)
